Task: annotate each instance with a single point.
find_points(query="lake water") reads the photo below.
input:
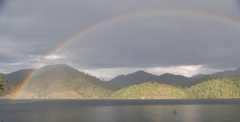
(119, 111)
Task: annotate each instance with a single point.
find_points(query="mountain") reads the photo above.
(150, 90)
(15, 78)
(141, 77)
(171, 79)
(62, 81)
(230, 74)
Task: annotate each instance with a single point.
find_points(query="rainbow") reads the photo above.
(121, 18)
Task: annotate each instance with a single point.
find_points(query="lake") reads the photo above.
(120, 111)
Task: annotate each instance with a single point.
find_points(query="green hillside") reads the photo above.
(2, 82)
(212, 89)
(150, 90)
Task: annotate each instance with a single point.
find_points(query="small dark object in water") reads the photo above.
(175, 112)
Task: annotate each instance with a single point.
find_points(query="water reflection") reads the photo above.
(68, 112)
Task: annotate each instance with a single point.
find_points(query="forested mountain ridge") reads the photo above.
(64, 82)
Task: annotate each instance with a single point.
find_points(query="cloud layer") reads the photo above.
(182, 33)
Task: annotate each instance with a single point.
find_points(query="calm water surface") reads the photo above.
(78, 111)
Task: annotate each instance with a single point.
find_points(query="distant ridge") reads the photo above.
(170, 79)
(65, 82)
(142, 76)
(122, 80)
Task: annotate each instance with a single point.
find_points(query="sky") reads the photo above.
(111, 37)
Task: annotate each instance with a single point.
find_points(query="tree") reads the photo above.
(2, 82)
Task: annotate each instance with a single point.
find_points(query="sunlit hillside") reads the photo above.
(150, 90)
(218, 88)
(2, 82)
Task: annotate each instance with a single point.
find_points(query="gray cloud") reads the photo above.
(160, 41)
(31, 28)
(2, 2)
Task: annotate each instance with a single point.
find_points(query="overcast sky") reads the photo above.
(121, 36)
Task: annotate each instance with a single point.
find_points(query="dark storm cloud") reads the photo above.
(31, 28)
